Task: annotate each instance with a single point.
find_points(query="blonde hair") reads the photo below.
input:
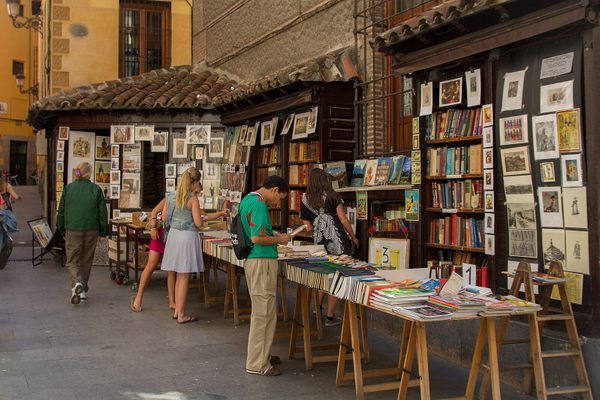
(189, 177)
(83, 171)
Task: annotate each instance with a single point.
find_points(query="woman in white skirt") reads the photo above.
(183, 250)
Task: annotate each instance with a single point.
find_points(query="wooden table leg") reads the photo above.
(356, 353)
(403, 344)
(493, 357)
(295, 323)
(319, 315)
(408, 359)
(364, 332)
(235, 291)
(423, 361)
(344, 346)
(228, 289)
(305, 307)
(283, 291)
(476, 360)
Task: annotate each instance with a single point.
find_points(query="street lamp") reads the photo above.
(20, 82)
(14, 12)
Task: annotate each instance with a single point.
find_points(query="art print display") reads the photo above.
(114, 150)
(553, 246)
(215, 149)
(63, 133)
(130, 191)
(251, 136)
(556, 97)
(411, 204)
(415, 173)
(102, 172)
(488, 179)
(212, 171)
(488, 203)
(450, 92)
(197, 134)
(115, 177)
(200, 152)
(571, 169)
(515, 160)
(180, 148)
(513, 130)
(521, 215)
(557, 65)
(170, 170)
(362, 206)
(490, 245)
(81, 149)
(547, 174)
(577, 251)
(60, 145)
(170, 185)
(144, 133)
(426, 99)
(60, 166)
(518, 189)
(522, 243)
(160, 142)
(287, 124)
(122, 134)
(132, 158)
(41, 230)
(115, 192)
(488, 136)
(274, 123)
(415, 125)
(549, 199)
(545, 137)
(300, 125)
(489, 223)
(181, 168)
(473, 83)
(575, 207)
(487, 115)
(512, 92)
(370, 172)
(569, 131)
(312, 120)
(114, 163)
(243, 134)
(267, 136)
(60, 156)
(393, 253)
(488, 158)
(102, 148)
(415, 142)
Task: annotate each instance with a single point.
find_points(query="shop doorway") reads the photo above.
(18, 162)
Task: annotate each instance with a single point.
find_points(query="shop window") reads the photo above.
(145, 36)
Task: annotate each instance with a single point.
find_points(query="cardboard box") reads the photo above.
(112, 250)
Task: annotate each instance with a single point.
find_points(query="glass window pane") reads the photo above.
(131, 42)
(154, 39)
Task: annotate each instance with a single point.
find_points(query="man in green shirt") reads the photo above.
(81, 218)
(261, 269)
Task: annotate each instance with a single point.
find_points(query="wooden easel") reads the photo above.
(535, 367)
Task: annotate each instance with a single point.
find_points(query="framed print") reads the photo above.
(312, 120)
(556, 97)
(488, 136)
(60, 145)
(215, 149)
(60, 166)
(114, 163)
(115, 177)
(179, 148)
(197, 134)
(415, 142)
(513, 130)
(199, 152)
(426, 99)
(115, 192)
(170, 170)
(132, 158)
(122, 134)
(572, 173)
(170, 185)
(549, 200)
(392, 253)
(488, 158)
(211, 171)
(515, 160)
(473, 82)
(60, 156)
(490, 223)
(300, 125)
(362, 203)
(575, 207)
(545, 137)
(488, 201)
(415, 125)
(160, 142)
(569, 131)
(130, 191)
(553, 246)
(116, 214)
(522, 243)
(411, 202)
(251, 136)
(450, 92)
(487, 115)
(521, 215)
(287, 124)
(243, 134)
(63, 133)
(488, 179)
(577, 248)
(41, 230)
(512, 92)
(102, 148)
(102, 171)
(114, 150)
(267, 136)
(547, 174)
(518, 189)
(144, 133)
(274, 124)
(181, 168)
(490, 245)
(81, 149)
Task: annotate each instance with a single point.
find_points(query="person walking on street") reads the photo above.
(261, 269)
(82, 218)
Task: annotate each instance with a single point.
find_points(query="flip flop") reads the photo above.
(134, 308)
(190, 319)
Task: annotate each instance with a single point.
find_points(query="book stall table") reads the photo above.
(117, 256)
(135, 235)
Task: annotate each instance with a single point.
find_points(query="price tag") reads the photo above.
(449, 210)
(453, 176)
(469, 273)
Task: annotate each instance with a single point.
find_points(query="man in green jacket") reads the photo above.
(82, 219)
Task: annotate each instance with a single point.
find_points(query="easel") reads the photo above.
(52, 245)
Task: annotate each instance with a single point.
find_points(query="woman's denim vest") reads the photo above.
(179, 218)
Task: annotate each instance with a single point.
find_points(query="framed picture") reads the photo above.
(521, 215)
(81, 149)
(170, 170)
(488, 158)
(487, 115)
(63, 133)
(250, 136)
(102, 172)
(312, 120)
(114, 163)
(102, 148)
(545, 137)
(411, 203)
(114, 150)
(450, 92)
(488, 179)
(473, 82)
(60, 166)
(115, 177)
(513, 130)
(569, 131)
(577, 249)
(132, 158)
(547, 174)
(553, 246)
(490, 223)
(515, 160)
(488, 201)
(415, 125)
(556, 97)
(575, 207)
(122, 134)
(211, 171)
(130, 191)
(287, 124)
(60, 145)
(522, 243)
(199, 152)
(41, 230)
(518, 189)
(549, 199)
(415, 142)
(243, 134)
(572, 173)
(60, 156)
(512, 92)
(144, 133)
(393, 253)
(170, 185)
(160, 142)
(488, 136)
(426, 98)
(115, 191)
(179, 148)
(490, 245)
(215, 149)
(300, 125)
(267, 136)
(197, 134)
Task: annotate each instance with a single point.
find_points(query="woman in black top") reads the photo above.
(322, 212)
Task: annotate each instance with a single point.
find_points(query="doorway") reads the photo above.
(18, 161)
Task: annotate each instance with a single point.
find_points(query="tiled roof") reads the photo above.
(176, 87)
(450, 12)
(338, 65)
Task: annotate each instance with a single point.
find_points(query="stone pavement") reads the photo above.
(52, 350)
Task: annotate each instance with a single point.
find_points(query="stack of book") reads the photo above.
(314, 275)
(263, 173)
(268, 155)
(457, 231)
(388, 225)
(459, 305)
(424, 312)
(388, 298)
(351, 283)
(445, 161)
(337, 170)
(457, 194)
(304, 151)
(275, 216)
(295, 199)
(453, 124)
(381, 171)
(505, 305)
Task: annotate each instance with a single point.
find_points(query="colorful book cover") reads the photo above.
(358, 173)
(405, 177)
(383, 170)
(337, 170)
(370, 172)
(396, 170)
(411, 204)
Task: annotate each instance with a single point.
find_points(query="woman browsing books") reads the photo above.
(322, 211)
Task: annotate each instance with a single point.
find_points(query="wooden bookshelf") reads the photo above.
(455, 210)
(374, 188)
(268, 165)
(463, 176)
(303, 162)
(459, 248)
(464, 139)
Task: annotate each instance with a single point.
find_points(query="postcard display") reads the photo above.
(539, 131)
